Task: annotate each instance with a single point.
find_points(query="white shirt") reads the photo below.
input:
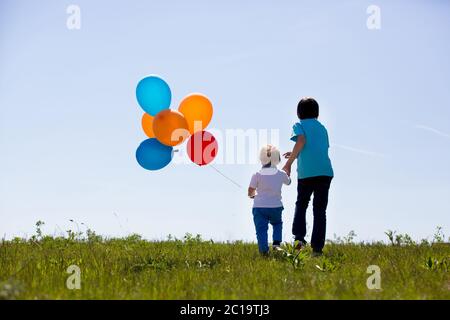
(268, 183)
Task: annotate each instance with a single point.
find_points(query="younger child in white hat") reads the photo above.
(265, 189)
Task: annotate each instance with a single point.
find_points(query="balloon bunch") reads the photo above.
(166, 128)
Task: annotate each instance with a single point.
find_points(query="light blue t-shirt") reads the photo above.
(313, 160)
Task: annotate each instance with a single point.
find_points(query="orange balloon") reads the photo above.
(170, 127)
(198, 111)
(147, 125)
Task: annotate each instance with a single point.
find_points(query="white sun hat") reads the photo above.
(269, 154)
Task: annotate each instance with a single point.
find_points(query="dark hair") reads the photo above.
(308, 108)
(268, 165)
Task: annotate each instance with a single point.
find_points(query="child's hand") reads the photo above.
(251, 192)
(287, 169)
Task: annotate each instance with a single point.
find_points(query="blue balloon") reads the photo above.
(153, 94)
(153, 155)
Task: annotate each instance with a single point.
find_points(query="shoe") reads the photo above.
(276, 247)
(316, 254)
(299, 245)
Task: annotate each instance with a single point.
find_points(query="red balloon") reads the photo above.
(202, 148)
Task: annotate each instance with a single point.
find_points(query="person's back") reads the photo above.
(268, 183)
(313, 161)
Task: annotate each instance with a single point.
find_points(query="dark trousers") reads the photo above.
(319, 186)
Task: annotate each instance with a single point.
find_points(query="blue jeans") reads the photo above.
(262, 217)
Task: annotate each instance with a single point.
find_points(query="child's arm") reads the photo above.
(299, 144)
(252, 187)
(286, 179)
(251, 192)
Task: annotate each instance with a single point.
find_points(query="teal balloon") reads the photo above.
(153, 155)
(153, 94)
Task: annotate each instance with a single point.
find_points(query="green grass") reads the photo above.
(132, 268)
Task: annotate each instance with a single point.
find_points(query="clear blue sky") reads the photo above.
(70, 123)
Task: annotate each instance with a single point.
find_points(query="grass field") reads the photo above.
(192, 268)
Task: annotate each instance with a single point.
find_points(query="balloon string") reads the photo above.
(223, 175)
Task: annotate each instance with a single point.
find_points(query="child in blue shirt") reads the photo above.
(265, 189)
(314, 171)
